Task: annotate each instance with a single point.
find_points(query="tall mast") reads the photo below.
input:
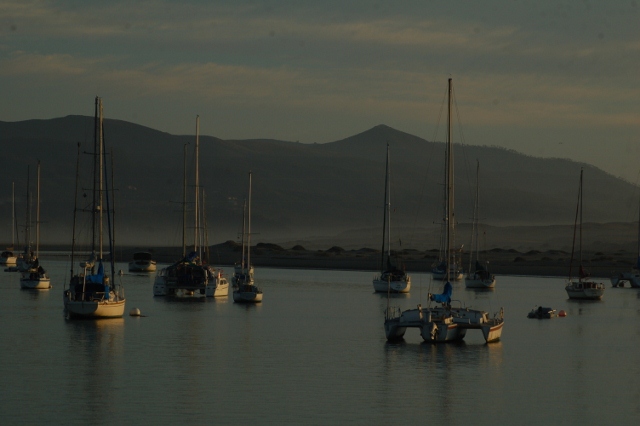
(196, 241)
(449, 185)
(101, 179)
(474, 229)
(386, 214)
(580, 238)
(249, 228)
(27, 226)
(38, 212)
(184, 204)
(13, 214)
(244, 222)
(638, 259)
(94, 202)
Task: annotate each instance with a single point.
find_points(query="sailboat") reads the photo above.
(35, 277)
(192, 273)
(93, 292)
(448, 265)
(7, 257)
(243, 271)
(444, 323)
(480, 278)
(246, 291)
(27, 258)
(391, 278)
(582, 288)
(633, 276)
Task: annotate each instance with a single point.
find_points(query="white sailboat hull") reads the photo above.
(453, 275)
(8, 261)
(43, 283)
(586, 290)
(214, 287)
(382, 286)
(247, 294)
(473, 281)
(94, 309)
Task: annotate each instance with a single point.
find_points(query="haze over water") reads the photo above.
(314, 352)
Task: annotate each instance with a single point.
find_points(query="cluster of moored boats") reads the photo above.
(94, 290)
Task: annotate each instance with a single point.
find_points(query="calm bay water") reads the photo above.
(314, 352)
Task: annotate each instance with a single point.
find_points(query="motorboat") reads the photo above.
(142, 262)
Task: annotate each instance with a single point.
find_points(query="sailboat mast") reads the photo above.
(386, 214)
(638, 258)
(580, 237)
(244, 222)
(474, 231)
(184, 204)
(27, 226)
(249, 228)
(196, 242)
(38, 212)
(101, 177)
(449, 184)
(13, 214)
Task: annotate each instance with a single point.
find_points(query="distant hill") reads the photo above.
(299, 190)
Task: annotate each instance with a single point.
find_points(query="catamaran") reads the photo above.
(444, 323)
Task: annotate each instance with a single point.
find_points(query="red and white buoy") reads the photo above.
(562, 313)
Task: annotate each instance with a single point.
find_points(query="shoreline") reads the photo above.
(550, 263)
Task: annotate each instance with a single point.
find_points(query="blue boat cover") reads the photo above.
(192, 256)
(445, 297)
(98, 278)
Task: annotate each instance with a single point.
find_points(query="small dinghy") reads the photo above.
(542, 313)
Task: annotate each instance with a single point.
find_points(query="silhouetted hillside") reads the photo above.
(299, 190)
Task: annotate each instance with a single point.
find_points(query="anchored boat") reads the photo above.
(444, 323)
(391, 279)
(93, 291)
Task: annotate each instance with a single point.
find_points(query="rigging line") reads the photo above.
(463, 143)
(422, 192)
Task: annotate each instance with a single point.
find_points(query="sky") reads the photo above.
(550, 78)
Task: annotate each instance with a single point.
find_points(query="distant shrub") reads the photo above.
(519, 259)
(298, 248)
(269, 246)
(335, 249)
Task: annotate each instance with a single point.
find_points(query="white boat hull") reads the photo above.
(142, 266)
(585, 290)
(248, 295)
(35, 283)
(381, 286)
(441, 276)
(477, 282)
(218, 288)
(442, 325)
(8, 261)
(632, 277)
(94, 309)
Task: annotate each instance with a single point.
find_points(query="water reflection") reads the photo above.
(95, 360)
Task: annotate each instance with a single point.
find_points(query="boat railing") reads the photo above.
(392, 312)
